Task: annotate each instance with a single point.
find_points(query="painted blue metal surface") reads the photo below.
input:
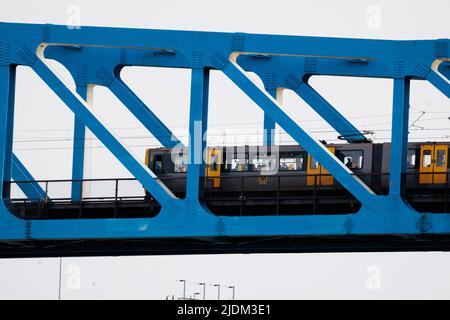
(444, 69)
(198, 120)
(269, 124)
(79, 107)
(399, 138)
(276, 73)
(9, 127)
(439, 82)
(143, 113)
(95, 55)
(79, 136)
(329, 113)
(30, 188)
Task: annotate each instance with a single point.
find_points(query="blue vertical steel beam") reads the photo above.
(399, 139)
(138, 108)
(9, 133)
(352, 183)
(13, 167)
(79, 137)
(148, 179)
(205, 110)
(269, 124)
(197, 128)
(5, 78)
(30, 187)
(329, 113)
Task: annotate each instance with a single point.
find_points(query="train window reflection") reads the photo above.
(352, 159)
(236, 164)
(440, 158)
(411, 159)
(314, 164)
(263, 163)
(180, 163)
(157, 163)
(214, 161)
(426, 160)
(291, 162)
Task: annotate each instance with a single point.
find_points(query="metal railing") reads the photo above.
(46, 184)
(109, 192)
(279, 189)
(244, 190)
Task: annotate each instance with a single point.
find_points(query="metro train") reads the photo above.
(286, 179)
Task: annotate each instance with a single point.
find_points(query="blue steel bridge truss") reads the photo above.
(96, 55)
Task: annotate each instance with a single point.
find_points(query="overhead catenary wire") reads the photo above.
(232, 124)
(255, 132)
(228, 124)
(214, 124)
(158, 145)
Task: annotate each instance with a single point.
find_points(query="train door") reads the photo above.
(440, 163)
(314, 169)
(433, 163)
(214, 160)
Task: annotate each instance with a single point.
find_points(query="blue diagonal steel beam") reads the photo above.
(29, 186)
(108, 65)
(149, 180)
(281, 68)
(329, 113)
(352, 183)
(442, 84)
(138, 108)
(444, 69)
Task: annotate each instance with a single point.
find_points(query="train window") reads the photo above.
(157, 163)
(448, 162)
(352, 159)
(214, 162)
(291, 162)
(180, 163)
(263, 163)
(236, 164)
(426, 159)
(440, 158)
(411, 159)
(314, 164)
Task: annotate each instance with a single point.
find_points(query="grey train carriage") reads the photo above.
(285, 179)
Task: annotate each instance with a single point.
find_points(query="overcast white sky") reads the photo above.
(366, 101)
